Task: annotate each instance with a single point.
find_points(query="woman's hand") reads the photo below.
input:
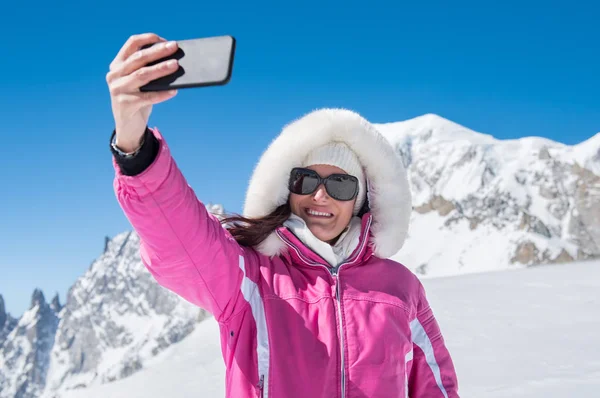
(128, 72)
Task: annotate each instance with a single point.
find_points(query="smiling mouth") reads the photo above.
(315, 213)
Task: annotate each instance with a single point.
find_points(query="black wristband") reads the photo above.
(132, 165)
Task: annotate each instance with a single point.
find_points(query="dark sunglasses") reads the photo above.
(338, 186)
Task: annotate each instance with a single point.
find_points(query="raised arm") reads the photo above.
(184, 246)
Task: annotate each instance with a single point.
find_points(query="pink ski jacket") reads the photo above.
(291, 325)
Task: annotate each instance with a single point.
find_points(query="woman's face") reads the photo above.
(325, 217)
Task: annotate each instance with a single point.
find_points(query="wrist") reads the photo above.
(128, 146)
(126, 149)
(134, 163)
(129, 136)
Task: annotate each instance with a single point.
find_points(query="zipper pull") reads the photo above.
(261, 385)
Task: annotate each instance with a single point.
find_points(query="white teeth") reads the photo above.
(318, 213)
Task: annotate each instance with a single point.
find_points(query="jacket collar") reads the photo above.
(301, 254)
(333, 254)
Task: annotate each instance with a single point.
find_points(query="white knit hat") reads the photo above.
(340, 155)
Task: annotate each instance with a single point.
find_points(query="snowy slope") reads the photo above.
(192, 368)
(525, 333)
(484, 204)
(587, 154)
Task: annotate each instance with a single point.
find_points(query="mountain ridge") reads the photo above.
(421, 123)
(529, 200)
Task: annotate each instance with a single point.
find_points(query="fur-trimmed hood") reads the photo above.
(388, 192)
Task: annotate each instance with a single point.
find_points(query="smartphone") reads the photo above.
(202, 62)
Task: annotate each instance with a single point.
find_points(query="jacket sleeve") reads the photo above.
(136, 163)
(432, 373)
(182, 245)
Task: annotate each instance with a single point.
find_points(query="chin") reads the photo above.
(322, 235)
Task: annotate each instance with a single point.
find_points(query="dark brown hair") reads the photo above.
(252, 231)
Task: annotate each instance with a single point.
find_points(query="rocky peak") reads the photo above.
(55, 304)
(7, 324)
(37, 299)
(26, 345)
(2, 312)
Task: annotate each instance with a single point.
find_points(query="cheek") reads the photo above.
(294, 201)
(346, 210)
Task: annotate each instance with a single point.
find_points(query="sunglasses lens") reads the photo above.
(342, 187)
(303, 182)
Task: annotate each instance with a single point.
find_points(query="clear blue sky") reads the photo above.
(506, 69)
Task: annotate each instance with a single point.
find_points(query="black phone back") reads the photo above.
(202, 62)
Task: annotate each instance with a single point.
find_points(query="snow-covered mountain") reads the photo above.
(115, 319)
(486, 204)
(25, 353)
(479, 204)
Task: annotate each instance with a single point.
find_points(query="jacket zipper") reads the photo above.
(335, 273)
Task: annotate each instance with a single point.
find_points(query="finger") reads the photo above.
(134, 43)
(141, 58)
(132, 82)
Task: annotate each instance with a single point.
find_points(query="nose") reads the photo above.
(320, 193)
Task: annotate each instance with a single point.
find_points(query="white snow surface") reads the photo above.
(521, 333)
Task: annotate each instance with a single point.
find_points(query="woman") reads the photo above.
(307, 302)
